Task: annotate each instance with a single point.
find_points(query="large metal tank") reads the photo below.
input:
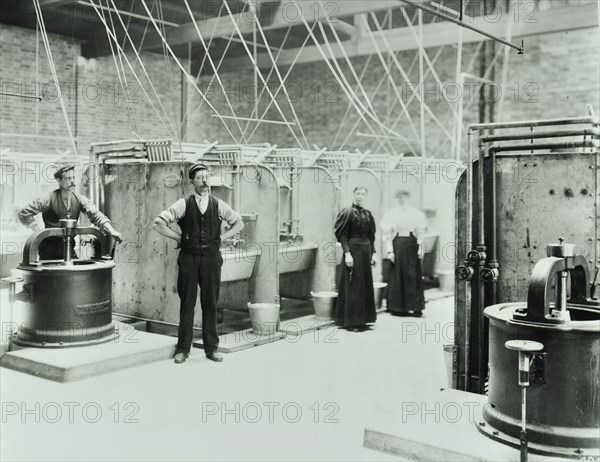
(563, 397)
(67, 302)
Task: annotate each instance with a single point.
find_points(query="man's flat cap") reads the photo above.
(63, 169)
(194, 168)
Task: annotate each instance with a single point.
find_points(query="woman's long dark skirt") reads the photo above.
(405, 282)
(355, 305)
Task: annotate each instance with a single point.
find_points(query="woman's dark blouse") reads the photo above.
(355, 223)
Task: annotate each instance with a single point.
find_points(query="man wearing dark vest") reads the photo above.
(63, 203)
(199, 217)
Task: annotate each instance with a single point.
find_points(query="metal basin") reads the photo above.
(296, 257)
(562, 399)
(66, 305)
(238, 264)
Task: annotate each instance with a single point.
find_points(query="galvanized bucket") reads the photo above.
(324, 304)
(446, 279)
(264, 318)
(378, 292)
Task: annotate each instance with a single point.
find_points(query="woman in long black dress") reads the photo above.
(355, 230)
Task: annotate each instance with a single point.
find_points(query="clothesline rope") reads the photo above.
(170, 131)
(185, 72)
(215, 70)
(289, 71)
(258, 73)
(40, 18)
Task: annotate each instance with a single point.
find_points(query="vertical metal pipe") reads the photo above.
(494, 240)
(493, 250)
(480, 180)
(480, 286)
(469, 245)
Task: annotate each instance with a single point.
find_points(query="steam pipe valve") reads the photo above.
(464, 272)
(491, 272)
(476, 257)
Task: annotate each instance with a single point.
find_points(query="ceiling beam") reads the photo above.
(286, 13)
(435, 35)
(47, 3)
(345, 28)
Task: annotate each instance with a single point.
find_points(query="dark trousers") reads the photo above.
(194, 270)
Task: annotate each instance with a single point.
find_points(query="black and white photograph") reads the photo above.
(300, 230)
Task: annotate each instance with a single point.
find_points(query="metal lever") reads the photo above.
(526, 348)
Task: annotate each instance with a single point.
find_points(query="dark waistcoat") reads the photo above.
(200, 233)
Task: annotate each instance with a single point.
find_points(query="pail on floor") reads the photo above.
(378, 293)
(324, 304)
(264, 318)
(446, 280)
(448, 358)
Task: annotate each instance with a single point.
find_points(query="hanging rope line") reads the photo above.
(287, 96)
(212, 65)
(360, 108)
(186, 73)
(111, 109)
(262, 91)
(159, 13)
(389, 76)
(237, 29)
(406, 78)
(351, 67)
(171, 130)
(410, 99)
(122, 79)
(289, 71)
(223, 54)
(40, 18)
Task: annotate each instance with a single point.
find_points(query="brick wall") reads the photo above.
(97, 107)
(556, 77)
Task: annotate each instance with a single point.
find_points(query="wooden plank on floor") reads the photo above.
(241, 340)
(410, 449)
(304, 324)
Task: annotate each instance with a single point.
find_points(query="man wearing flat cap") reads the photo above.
(63, 203)
(199, 216)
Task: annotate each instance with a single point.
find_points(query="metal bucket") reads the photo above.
(378, 292)
(446, 280)
(448, 358)
(324, 304)
(264, 318)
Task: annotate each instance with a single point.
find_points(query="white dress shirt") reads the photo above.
(176, 211)
(401, 221)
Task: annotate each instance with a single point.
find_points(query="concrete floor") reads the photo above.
(302, 398)
(201, 410)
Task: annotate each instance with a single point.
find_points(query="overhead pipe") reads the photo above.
(545, 146)
(461, 23)
(538, 135)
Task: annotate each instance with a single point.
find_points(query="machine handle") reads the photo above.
(30, 251)
(540, 286)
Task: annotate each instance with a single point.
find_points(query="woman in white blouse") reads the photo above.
(402, 231)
